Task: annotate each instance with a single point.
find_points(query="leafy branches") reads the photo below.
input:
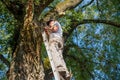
(88, 4)
(15, 7)
(101, 12)
(42, 4)
(4, 60)
(86, 21)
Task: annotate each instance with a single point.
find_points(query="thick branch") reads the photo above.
(61, 8)
(67, 4)
(4, 60)
(85, 21)
(108, 22)
(42, 5)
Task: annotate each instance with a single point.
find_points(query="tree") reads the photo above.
(26, 61)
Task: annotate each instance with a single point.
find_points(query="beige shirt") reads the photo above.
(58, 33)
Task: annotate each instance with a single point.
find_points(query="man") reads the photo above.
(54, 31)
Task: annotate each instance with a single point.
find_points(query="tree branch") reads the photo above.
(101, 12)
(42, 5)
(85, 21)
(67, 4)
(87, 4)
(15, 7)
(67, 48)
(4, 60)
(108, 22)
(61, 8)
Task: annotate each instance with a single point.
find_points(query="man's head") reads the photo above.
(51, 22)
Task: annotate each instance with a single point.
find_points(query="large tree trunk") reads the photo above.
(26, 63)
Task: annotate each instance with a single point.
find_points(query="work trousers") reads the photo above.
(56, 49)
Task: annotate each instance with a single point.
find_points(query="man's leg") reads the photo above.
(64, 64)
(59, 62)
(55, 54)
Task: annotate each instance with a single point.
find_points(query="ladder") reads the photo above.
(57, 75)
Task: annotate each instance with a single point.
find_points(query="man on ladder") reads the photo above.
(54, 32)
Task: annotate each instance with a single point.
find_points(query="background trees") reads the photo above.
(91, 33)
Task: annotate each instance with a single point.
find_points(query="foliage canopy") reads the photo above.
(92, 49)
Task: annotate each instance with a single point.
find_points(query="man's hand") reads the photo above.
(47, 30)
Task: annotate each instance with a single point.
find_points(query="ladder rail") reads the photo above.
(55, 72)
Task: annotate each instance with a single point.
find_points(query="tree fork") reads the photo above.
(26, 63)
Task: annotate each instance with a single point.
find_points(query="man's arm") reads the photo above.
(46, 29)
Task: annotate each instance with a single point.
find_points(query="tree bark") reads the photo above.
(26, 63)
(60, 9)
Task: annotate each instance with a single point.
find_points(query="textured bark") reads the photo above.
(26, 63)
(67, 4)
(61, 8)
